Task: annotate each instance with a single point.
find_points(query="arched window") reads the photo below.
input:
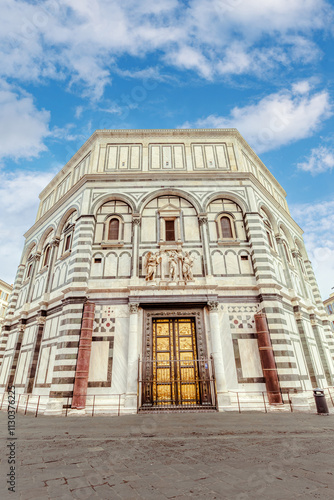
(226, 227)
(46, 258)
(268, 229)
(286, 252)
(66, 236)
(113, 229)
(29, 270)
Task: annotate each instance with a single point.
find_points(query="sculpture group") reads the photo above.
(175, 258)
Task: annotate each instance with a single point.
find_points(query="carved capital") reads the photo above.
(202, 220)
(21, 327)
(295, 253)
(278, 238)
(41, 320)
(37, 256)
(55, 242)
(136, 220)
(213, 305)
(133, 306)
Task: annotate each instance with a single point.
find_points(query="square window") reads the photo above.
(170, 230)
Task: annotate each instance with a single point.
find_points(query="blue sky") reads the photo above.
(265, 67)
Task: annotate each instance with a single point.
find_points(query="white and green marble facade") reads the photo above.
(140, 177)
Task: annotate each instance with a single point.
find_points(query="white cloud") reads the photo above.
(317, 220)
(18, 207)
(23, 127)
(83, 40)
(320, 160)
(277, 119)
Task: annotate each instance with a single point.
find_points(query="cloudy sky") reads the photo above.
(69, 67)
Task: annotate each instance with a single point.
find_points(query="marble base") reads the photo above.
(130, 404)
(53, 407)
(77, 413)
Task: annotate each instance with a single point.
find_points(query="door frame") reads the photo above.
(168, 311)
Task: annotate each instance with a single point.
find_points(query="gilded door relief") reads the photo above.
(175, 369)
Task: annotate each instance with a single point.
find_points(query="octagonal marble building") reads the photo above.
(164, 270)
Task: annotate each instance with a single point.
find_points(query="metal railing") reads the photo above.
(176, 383)
(96, 404)
(292, 401)
(113, 404)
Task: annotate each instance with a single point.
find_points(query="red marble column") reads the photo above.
(267, 359)
(85, 345)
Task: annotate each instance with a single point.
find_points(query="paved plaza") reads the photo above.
(172, 456)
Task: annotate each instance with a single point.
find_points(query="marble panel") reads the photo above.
(231, 259)
(5, 369)
(110, 266)
(222, 157)
(54, 328)
(198, 156)
(216, 206)
(124, 264)
(43, 364)
(148, 229)
(123, 157)
(300, 358)
(189, 211)
(56, 276)
(20, 367)
(197, 267)
(227, 351)
(97, 267)
(240, 230)
(250, 358)
(99, 232)
(63, 274)
(218, 263)
(155, 158)
(246, 265)
(210, 157)
(213, 230)
(98, 364)
(135, 157)
(178, 157)
(167, 157)
(111, 160)
(120, 360)
(127, 232)
(191, 229)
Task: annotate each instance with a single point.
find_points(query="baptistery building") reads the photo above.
(164, 271)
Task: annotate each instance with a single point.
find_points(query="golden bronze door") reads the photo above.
(174, 365)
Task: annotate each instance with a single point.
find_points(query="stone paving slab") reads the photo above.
(172, 456)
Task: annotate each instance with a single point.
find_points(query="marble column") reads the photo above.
(132, 373)
(267, 360)
(85, 346)
(136, 220)
(203, 222)
(216, 349)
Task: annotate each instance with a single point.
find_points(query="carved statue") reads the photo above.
(151, 262)
(173, 261)
(187, 264)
